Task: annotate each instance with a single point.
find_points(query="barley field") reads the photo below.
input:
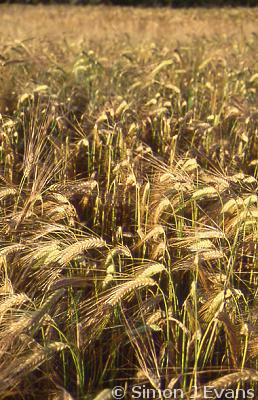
(128, 194)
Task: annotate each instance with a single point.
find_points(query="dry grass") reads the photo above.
(128, 193)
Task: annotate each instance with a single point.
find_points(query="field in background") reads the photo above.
(100, 25)
(128, 193)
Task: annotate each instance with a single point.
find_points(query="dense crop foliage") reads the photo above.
(129, 219)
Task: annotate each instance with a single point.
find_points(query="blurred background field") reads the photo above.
(164, 25)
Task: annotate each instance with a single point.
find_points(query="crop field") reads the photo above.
(128, 195)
